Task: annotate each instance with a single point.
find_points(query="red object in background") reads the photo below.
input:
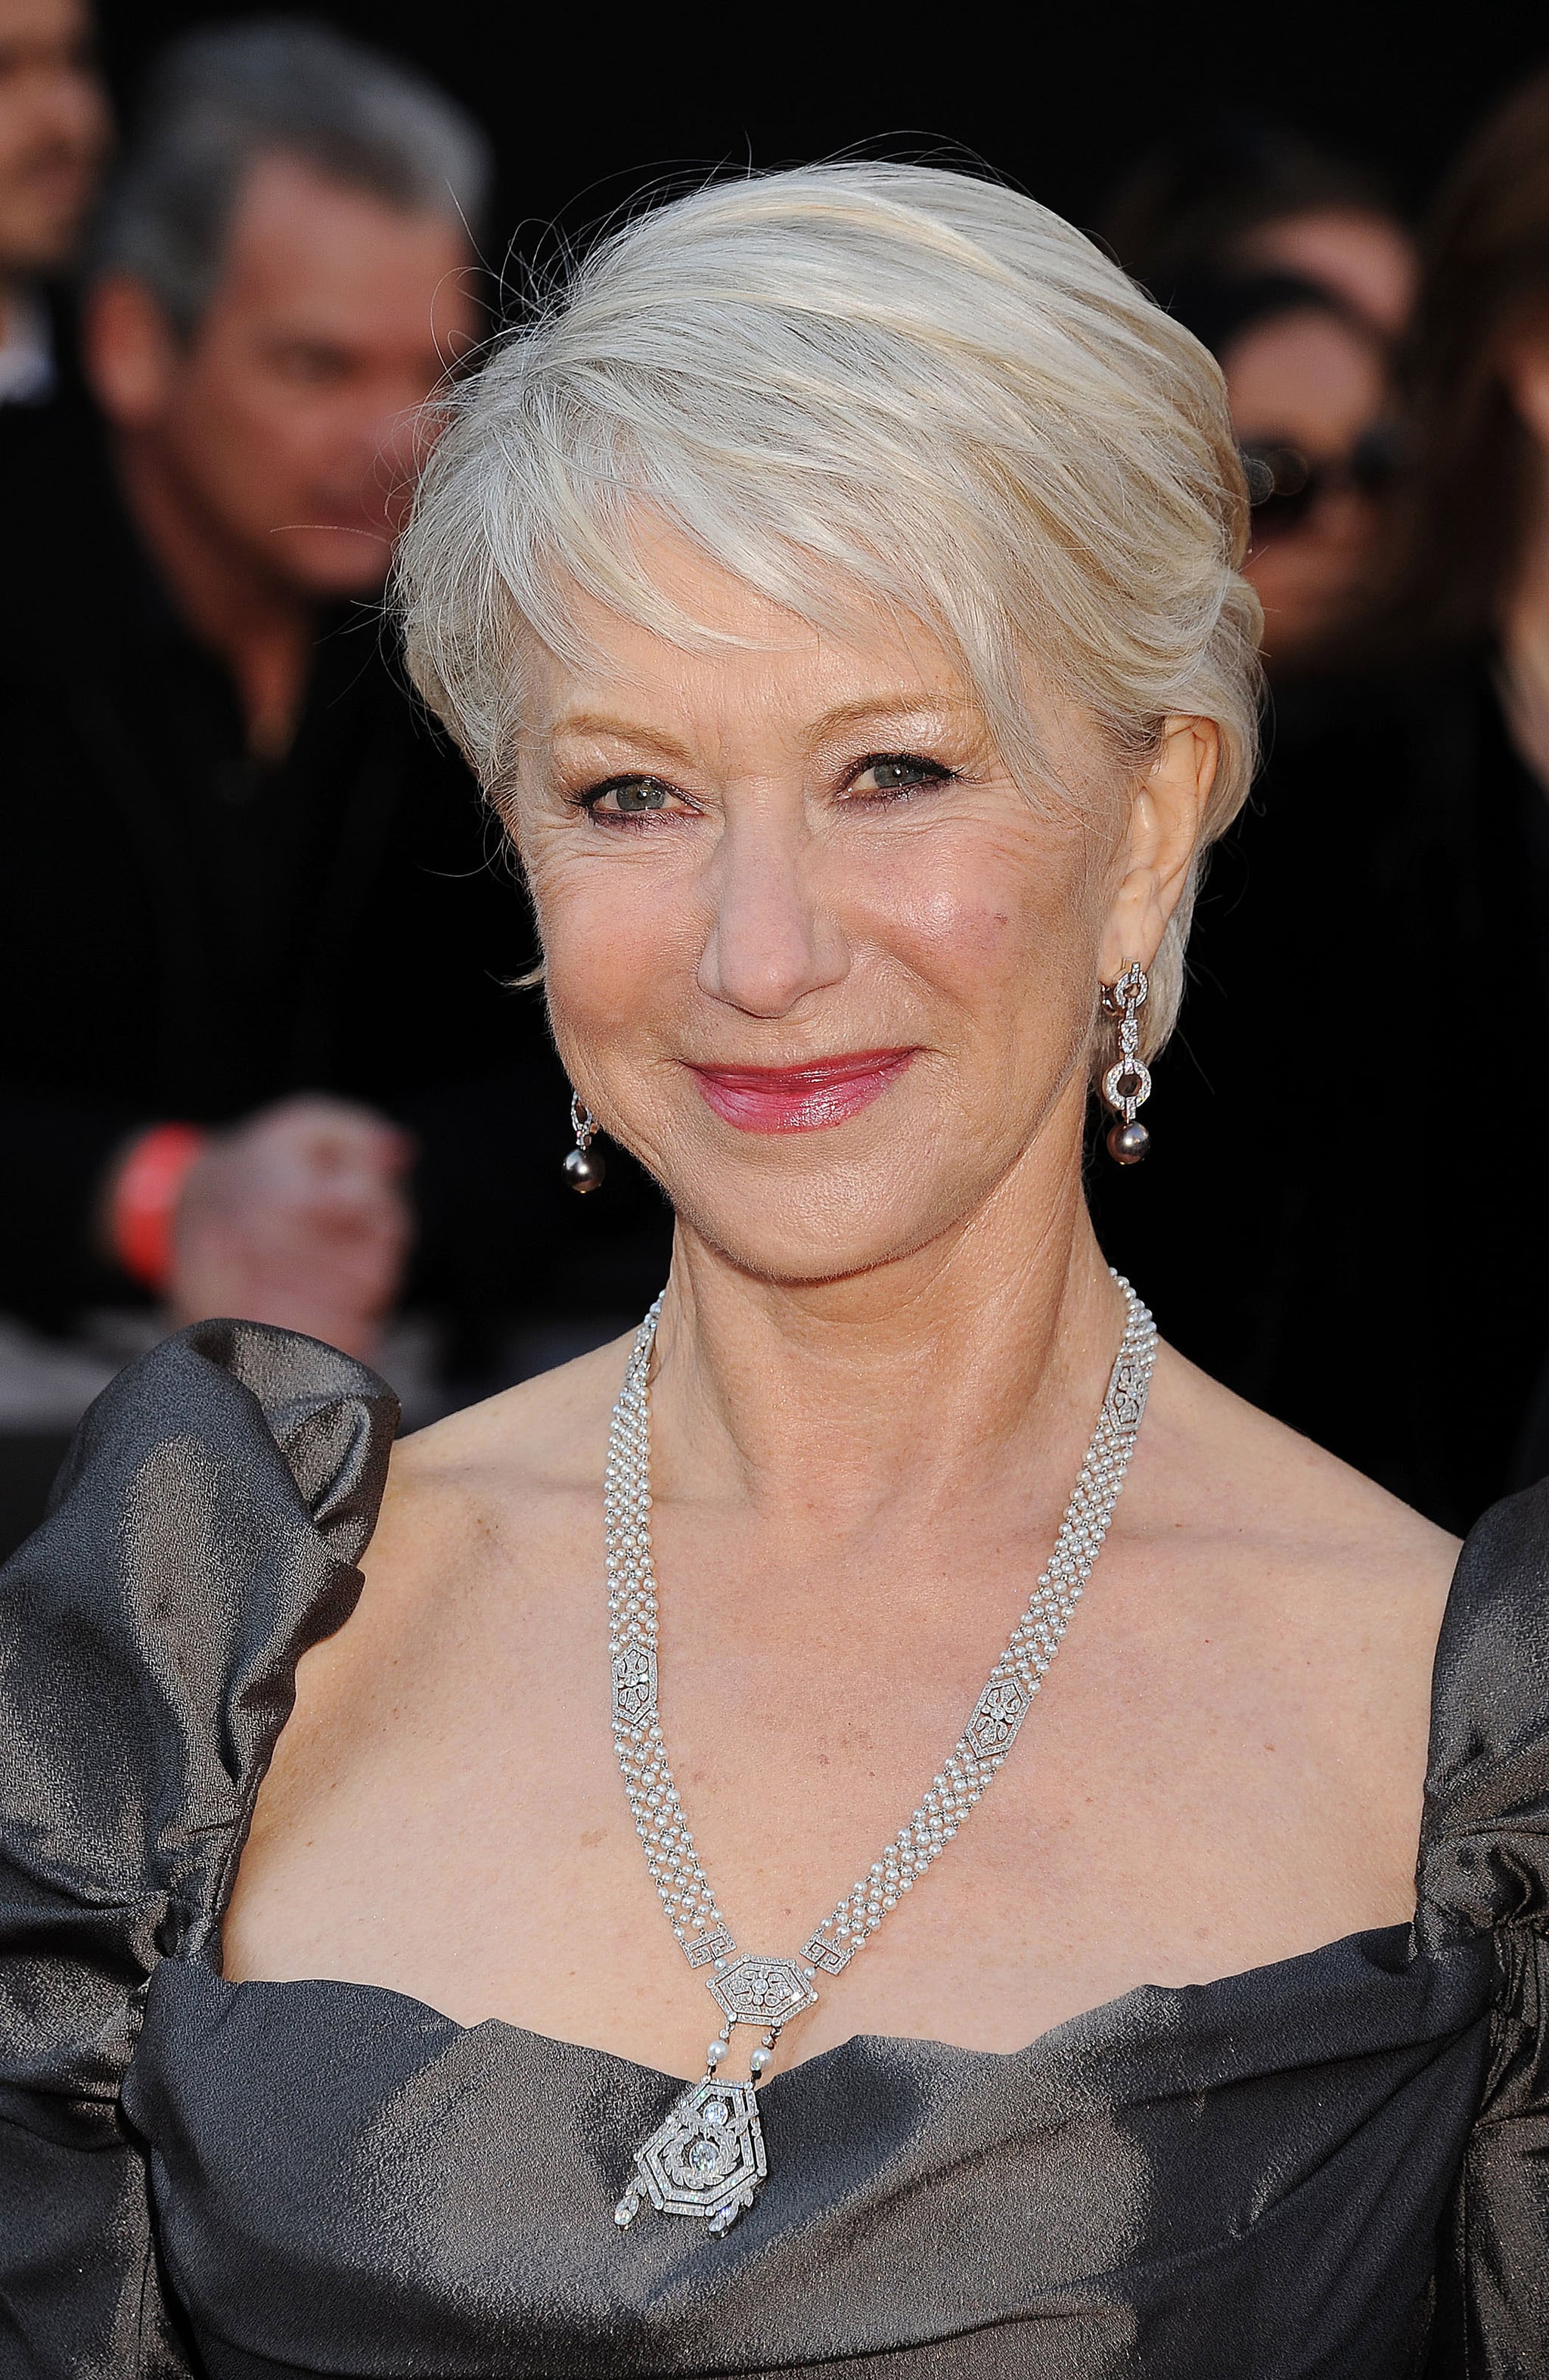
(145, 1200)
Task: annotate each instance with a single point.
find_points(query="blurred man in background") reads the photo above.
(231, 846)
(54, 136)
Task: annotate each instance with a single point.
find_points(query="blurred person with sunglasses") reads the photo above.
(1310, 385)
(1361, 1081)
(54, 136)
(1296, 270)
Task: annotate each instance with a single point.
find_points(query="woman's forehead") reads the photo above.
(738, 649)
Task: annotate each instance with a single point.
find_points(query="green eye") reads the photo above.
(632, 799)
(897, 772)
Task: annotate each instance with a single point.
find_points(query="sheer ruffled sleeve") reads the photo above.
(1484, 1875)
(204, 1532)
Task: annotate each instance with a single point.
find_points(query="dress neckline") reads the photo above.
(1098, 2018)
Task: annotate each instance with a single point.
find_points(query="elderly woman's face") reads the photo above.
(811, 953)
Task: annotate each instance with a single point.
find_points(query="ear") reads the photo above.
(1165, 811)
(130, 351)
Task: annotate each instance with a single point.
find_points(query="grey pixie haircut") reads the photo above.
(855, 383)
(218, 101)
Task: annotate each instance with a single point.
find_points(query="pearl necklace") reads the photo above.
(707, 2157)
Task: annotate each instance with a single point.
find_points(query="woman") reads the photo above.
(838, 593)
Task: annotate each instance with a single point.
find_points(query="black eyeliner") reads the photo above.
(937, 774)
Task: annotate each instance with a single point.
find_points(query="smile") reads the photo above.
(800, 1099)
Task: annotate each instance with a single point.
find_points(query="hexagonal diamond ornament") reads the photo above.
(997, 1714)
(707, 2157)
(762, 1991)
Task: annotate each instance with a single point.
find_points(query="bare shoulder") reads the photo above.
(1306, 1603)
(485, 1515)
(488, 1520)
(1279, 1509)
(1307, 1559)
(487, 1469)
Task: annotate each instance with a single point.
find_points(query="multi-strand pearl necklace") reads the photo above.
(706, 2158)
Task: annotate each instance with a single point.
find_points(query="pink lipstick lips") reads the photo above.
(800, 1099)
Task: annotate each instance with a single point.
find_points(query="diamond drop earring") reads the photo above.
(1127, 1084)
(586, 1166)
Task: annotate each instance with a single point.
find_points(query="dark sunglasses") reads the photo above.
(1283, 484)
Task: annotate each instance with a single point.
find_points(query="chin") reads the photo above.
(330, 565)
(832, 1225)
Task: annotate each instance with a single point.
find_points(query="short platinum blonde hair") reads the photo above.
(876, 381)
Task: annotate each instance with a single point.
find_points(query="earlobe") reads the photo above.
(129, 351)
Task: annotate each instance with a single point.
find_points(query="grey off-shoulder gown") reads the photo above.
(1337, 2166)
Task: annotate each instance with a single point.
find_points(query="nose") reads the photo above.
(1345, 517)
(773, 938)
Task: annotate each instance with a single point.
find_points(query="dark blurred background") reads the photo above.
(1061, 100)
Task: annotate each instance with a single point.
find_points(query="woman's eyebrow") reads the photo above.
(615, 729)
(905, 703)
(908, 703)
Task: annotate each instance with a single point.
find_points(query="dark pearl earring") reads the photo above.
(584, 1167)
(1128, 1143)
(1127, 1084)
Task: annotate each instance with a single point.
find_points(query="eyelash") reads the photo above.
(936, 773)
(591, 797)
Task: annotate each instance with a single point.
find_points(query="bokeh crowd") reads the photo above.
(265, 1051)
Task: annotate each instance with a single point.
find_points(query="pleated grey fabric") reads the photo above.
(1337, 2166)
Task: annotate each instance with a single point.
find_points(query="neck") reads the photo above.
(910, 1385)
(261, 629)
(1525, 641)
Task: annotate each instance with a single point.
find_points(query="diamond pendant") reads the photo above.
(706, 2158)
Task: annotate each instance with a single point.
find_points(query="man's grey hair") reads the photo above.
(219, 102)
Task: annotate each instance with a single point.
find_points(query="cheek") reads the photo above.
(229, 443)
(622, 936)
(995, 918)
